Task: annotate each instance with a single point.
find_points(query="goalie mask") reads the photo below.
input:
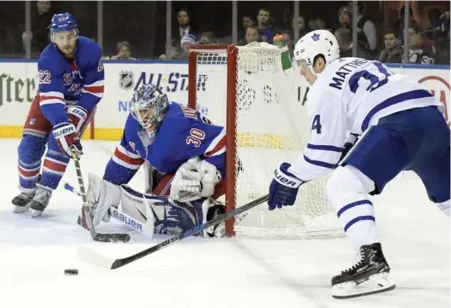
(148, 107)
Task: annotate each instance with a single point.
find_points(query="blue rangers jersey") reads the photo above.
(183, 134)
(77, 81)
(350, 96)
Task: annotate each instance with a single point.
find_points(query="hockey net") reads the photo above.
(247, 90)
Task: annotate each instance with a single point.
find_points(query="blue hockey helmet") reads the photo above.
(148, 106)
(63, 22)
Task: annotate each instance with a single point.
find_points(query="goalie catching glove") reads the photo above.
(195, 179)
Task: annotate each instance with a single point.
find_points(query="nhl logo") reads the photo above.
(126, 80)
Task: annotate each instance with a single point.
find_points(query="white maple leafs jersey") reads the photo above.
(350, 96)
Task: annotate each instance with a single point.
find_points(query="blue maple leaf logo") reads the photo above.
(315, 36)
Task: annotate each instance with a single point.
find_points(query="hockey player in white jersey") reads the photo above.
(400, 126)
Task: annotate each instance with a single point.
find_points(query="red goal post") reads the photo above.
(231, 114)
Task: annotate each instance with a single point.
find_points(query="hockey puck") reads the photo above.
(71, 272)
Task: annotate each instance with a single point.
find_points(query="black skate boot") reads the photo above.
(40, 201)
(369, 276)
(21, 201)
(215, 209)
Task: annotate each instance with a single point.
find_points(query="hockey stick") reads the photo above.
(90, 256)
(125, 219)
(86, 210)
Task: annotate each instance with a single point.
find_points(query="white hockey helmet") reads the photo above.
(314, 43)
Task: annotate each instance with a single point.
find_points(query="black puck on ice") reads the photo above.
(71, 272)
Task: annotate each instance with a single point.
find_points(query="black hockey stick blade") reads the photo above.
(90, 256)
(86, 210)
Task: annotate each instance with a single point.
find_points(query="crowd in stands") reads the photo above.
(428, 41)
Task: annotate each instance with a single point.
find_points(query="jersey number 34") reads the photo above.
(376, 81)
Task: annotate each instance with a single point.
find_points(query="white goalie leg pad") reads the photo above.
(347, 190)
(444, 207)
(101, 196)
(376, 283)
(135, 205)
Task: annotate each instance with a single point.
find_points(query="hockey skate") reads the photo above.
(22, 201)
(369, 276)
(216, 208)
(40, 201)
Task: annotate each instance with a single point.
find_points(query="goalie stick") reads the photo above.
(90, 256)
(144, 229)
(86, 211)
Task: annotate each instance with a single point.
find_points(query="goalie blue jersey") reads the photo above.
(183, 134)
(63, 81)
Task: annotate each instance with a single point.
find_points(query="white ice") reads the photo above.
(211, 273)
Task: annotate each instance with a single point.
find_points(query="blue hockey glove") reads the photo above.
(284, 188)
(350, 141)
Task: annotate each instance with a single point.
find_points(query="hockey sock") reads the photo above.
(348, 190)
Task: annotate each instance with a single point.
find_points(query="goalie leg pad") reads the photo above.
(101, 196)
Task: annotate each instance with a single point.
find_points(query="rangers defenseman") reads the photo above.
(187, 154)
(401, 127)
(70, 86)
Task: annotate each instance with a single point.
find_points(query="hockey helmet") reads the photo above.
(63, 22)
(314, 43)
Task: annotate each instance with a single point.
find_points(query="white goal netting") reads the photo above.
(271, 127)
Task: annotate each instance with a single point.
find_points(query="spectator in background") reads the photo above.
(300, 26)
(252, 35)
(344, 17)
(186, 42)
(316, 24)
(246, 22)
(438, 31)
(264, 26)
(206, 37)
(183, 26)
(393, 51)
(38, 37)
(344, 38)
(399, 24)
(421, 50)
(124, 51)
(366, 31)
(171, 53)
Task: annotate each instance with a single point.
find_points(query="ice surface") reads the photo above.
(211, 273)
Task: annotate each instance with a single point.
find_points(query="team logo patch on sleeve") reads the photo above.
(132, 145)
(126, 80)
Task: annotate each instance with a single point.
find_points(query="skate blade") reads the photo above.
(377, 283)
(36, 214)
(20, 209)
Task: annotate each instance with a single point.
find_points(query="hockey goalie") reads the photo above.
(187, 155)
